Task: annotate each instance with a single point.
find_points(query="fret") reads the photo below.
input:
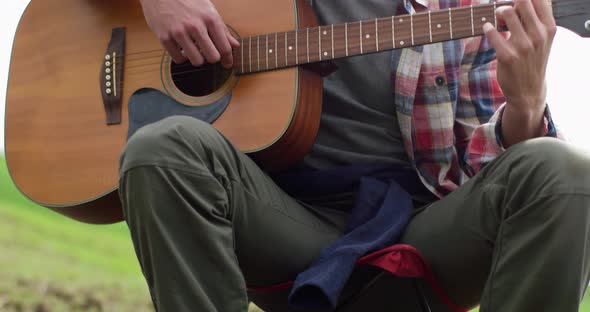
(376, 35)
(320, 43)
(354, 39)
(307, 40)
(495, 19)
(250, 52)
(326, 42)
(291, 48)
(482, 15)
(412, 27)
(369, 36)
(393, 31)
(383, 35)
(346, 37)
(297, 47)
(472, 27)
(314, 44)
(258, 52)
(339, 40)
(280, 53)
(462, 26)
(266, 51)
(300, 49)
(420, 28)
(450, 24)
(402, 31)
(242, 54)
(286, 57)
(276, 52)
(361, 35)
(332, 34)
(440, 26)
(430, 25)
(271, 51)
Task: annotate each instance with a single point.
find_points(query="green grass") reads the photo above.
(51, 263)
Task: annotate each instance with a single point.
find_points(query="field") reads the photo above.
(50, 263)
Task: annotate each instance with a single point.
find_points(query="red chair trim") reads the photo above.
(400, 260)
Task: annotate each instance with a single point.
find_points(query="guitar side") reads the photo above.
(59, 149)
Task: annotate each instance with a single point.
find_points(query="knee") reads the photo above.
(550, 165)
(167, 142)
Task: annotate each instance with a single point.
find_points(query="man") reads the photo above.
(206, 221)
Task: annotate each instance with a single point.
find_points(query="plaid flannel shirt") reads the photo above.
(449, 105)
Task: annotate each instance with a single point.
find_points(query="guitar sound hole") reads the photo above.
(199, 81)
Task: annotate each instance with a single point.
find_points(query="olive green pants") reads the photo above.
(206, 221)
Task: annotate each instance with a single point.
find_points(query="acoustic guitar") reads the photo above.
(79, 67)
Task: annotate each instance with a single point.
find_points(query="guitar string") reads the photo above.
(563, 4)
(555, 4)
(381, 28)
(194, 69)
(186, 69)
(304, 30)
(423, 37)
(188, 65)
(189, 69)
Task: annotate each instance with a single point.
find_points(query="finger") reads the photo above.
(508, 15)
(525, 9)
(172, 48)
(233, 41)
(205, 44)
(531, 23)
(219, 37)
(518, 37)
(190, 49)
(504, 51)
(544, 12)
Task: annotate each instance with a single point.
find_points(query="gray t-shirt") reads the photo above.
(358, 122)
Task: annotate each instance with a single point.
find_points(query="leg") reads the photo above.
(206, 221)
(515, 236)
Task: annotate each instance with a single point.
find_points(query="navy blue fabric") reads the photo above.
(381, 212)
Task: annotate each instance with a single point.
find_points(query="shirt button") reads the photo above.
(440, 80)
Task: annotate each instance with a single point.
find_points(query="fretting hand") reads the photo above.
(522, 62)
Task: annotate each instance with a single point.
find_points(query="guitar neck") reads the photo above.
(322, 43)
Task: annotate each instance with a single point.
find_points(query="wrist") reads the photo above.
(519, 124)
(527, 115)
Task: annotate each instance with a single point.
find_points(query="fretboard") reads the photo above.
(315, 44)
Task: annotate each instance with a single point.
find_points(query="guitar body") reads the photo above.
(61, 151)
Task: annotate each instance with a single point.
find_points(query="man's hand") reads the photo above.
(522, 62)
(190, 29)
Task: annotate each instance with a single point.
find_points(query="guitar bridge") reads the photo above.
(111, 76)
